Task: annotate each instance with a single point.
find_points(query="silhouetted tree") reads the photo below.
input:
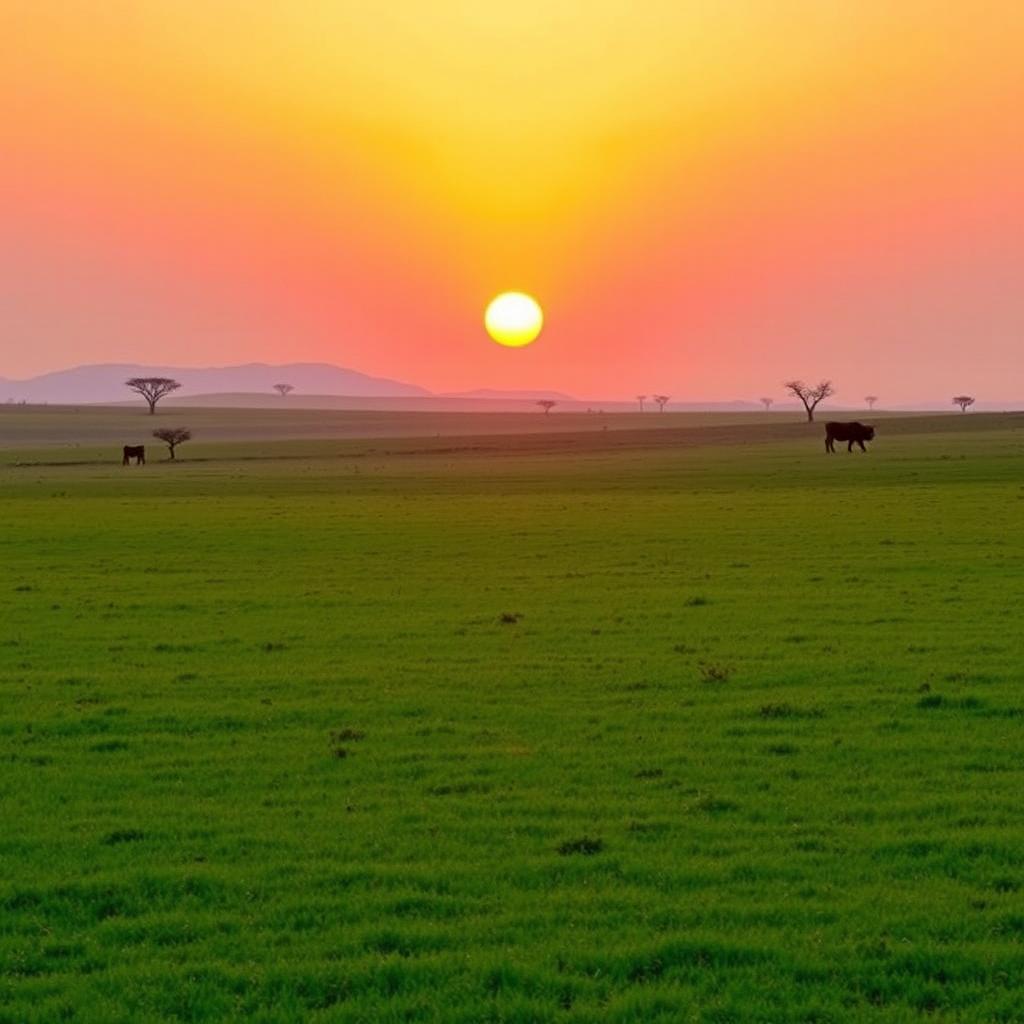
(662, 401)
(284, 389)
(641, 399)
(810, 396)
(172, 437)
(152, 389)
(871, 399)
(547, 405)
(767, 403)
(963, 401)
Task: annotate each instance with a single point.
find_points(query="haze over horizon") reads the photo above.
(104, 384)
(706, 201)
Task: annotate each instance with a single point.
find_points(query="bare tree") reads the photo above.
(662, 401)
(152, 389)
(641, 399)
(284, 389)
(810, 396)
(963, 401)
(172, 437)
(547, 405)
(767, 403)
(871, 399)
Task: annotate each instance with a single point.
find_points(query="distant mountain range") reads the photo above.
(252, 384)
(104, 383)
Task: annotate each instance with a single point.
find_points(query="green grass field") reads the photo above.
(637, 725)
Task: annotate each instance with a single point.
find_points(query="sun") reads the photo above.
(514, 319)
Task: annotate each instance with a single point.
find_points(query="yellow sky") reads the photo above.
(474, 146)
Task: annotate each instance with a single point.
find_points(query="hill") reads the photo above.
(497, 394)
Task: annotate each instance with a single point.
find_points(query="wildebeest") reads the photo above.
(136, 452)
(854, 433)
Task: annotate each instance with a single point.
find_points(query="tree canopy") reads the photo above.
(152, 389)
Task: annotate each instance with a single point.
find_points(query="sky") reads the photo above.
(706, 198)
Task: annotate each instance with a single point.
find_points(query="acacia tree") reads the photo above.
(547, 405)
(871, 399)
(810, 396)
(284, 389)
(152, 389)
(641, 399)
(767, 403)
(662, 401)
(172, 437)
(963, 401)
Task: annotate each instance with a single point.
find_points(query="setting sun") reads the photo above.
(514, 319)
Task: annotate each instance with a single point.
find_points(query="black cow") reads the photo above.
(136, 452)
(854, 433)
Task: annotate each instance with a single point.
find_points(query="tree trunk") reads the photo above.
(152, 406)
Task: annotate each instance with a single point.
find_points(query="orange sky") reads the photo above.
(706, 198)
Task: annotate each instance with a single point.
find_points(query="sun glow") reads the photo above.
(514, 319)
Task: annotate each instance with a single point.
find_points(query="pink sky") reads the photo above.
(704, 203)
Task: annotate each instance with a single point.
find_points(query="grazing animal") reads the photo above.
(136, 452)
(854, 433)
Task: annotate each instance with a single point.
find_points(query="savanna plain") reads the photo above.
(673, 719)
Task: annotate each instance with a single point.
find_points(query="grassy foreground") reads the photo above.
(725, 732)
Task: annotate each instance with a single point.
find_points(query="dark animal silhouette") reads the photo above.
(136, 452)
(854, 433)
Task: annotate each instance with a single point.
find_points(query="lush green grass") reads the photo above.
(628, 732)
